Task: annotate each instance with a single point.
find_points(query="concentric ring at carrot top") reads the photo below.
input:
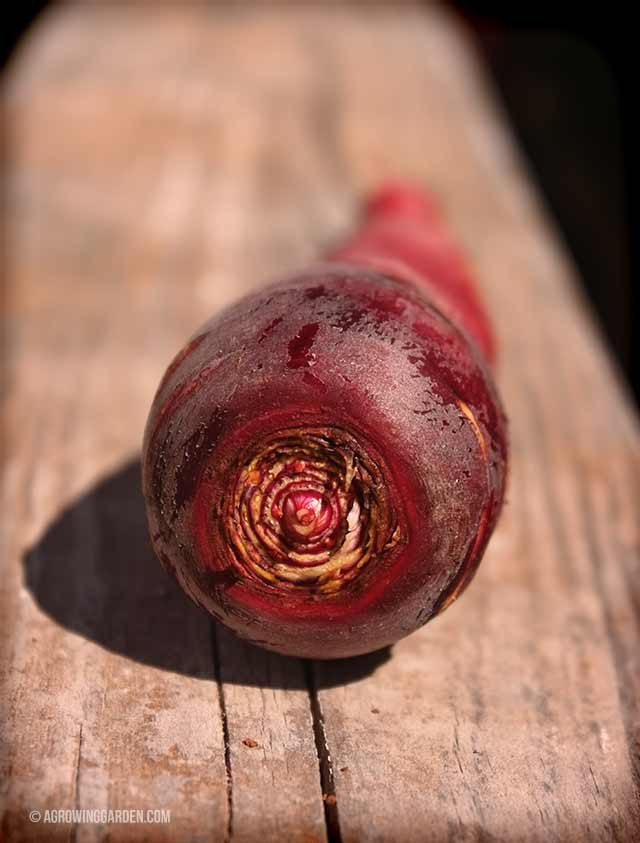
(308, 510)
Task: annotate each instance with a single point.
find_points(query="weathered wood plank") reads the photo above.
(514, 715)
(110, 673)
(159, 165)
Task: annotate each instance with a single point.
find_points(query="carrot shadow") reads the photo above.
(94, 573)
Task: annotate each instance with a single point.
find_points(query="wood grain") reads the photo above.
(157, 165)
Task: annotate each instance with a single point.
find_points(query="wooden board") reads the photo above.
(158, 163)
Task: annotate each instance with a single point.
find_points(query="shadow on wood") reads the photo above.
(95, 573)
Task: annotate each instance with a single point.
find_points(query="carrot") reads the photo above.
(325, 461)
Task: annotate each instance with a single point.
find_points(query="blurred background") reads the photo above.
(565, 82)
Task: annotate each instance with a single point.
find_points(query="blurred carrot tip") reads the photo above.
(402, 198)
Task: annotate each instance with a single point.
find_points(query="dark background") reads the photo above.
(565, 79)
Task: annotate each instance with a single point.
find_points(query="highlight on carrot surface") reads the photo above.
(325, 460)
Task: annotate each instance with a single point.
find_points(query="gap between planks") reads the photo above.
(325, 765)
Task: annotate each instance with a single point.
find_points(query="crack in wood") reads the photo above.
(327, 779)
(76, 784)
(215, 651)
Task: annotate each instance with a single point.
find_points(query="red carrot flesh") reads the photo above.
(325, 461)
